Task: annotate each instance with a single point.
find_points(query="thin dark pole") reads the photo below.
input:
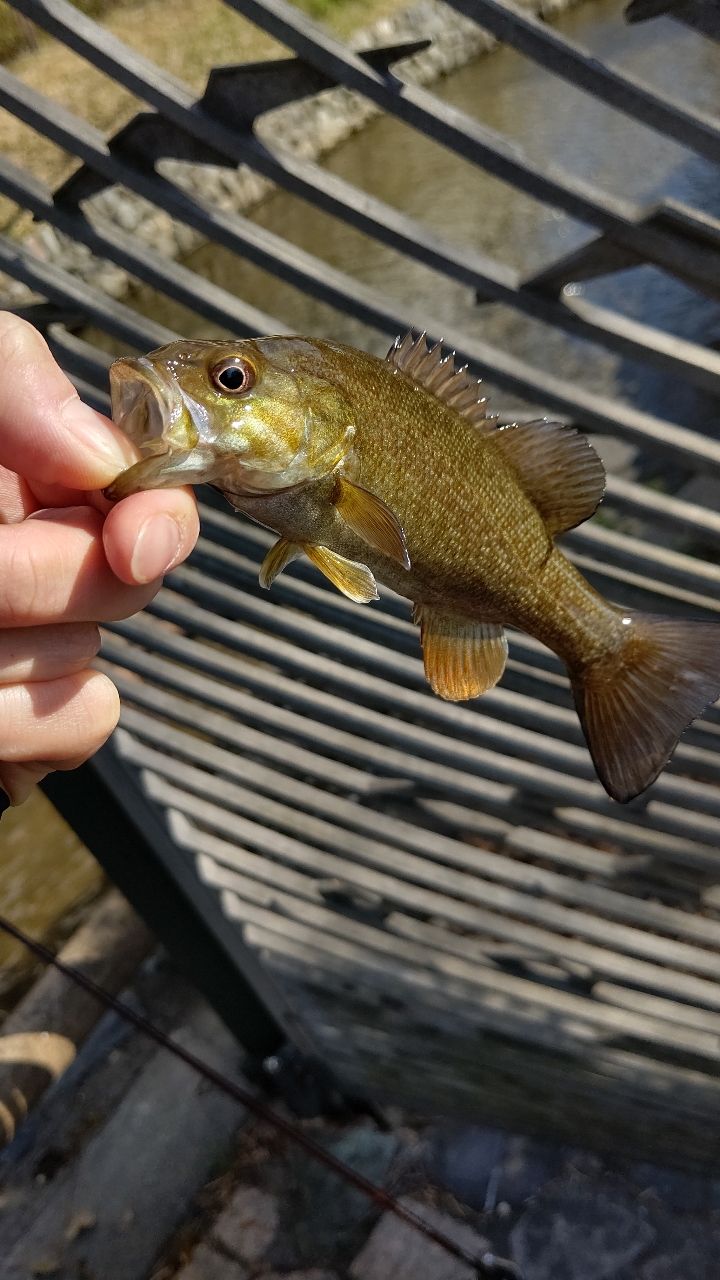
(489, 1265)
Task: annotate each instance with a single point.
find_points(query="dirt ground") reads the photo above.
(186, 37)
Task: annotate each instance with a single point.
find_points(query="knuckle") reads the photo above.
(98, 710)
(24, 592)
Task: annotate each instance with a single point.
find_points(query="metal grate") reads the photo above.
(445, 903)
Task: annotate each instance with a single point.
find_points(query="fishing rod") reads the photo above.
(490, 1266)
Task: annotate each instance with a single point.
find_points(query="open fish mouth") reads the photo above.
(151, 411)
(144, 406)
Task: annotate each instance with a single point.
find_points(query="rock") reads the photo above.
(483, 1166)
(396, 1251)
(82, 1221)
(580, 1229)
(679, 1190)
(312, 1274)
(328, 1219)
(206, 1264)
(39, 1038)
(464, 1162)
(526, 1167)
(693, 1260)
(248, 1225)
(309, 127)
(138, 1174)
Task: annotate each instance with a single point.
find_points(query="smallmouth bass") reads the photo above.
(390, 471)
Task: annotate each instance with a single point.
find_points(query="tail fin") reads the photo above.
(634, 704)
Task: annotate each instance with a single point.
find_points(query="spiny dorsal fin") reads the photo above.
(277, 559)
(557, 468)
(438, 375)
(353, 579)
(371, 519)
(463, 658)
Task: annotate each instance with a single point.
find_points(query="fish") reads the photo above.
(392, 471)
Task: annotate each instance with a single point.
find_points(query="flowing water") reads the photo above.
(43, 870)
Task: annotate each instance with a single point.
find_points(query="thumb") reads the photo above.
(47, 434)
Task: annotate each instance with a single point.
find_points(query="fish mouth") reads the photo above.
(150, 410)
(144, 407)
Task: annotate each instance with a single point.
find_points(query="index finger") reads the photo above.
(47, 434)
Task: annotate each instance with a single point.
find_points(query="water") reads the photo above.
(43, 869)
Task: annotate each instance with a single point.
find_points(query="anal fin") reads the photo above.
(278, 558)
(353, 579)
(372, 520)
(463, 657)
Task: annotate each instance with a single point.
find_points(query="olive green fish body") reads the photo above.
(477, 544)
(389, 471)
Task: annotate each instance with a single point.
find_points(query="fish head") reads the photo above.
(252, 416)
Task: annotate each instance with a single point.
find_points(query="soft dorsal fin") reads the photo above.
(463, 658)
(557, 468)
(438, 375)
(371, 519)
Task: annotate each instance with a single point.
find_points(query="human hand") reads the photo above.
(68, 560)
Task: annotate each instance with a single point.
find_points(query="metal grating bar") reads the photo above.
(564, 57)
(358, 208)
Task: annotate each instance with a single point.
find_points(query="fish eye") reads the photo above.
(232, 375)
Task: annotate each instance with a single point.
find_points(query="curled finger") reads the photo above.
(53, 721)
(18, 780)
(55, 570)
(29, 654)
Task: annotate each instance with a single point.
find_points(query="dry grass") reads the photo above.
(186, 37)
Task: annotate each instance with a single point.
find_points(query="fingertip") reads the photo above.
(150, 533)
(18, 336)
(98, 704)
(105, 449)
(80, 641)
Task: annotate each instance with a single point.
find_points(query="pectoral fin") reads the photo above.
(371, 519)
(463, 658)
(277, 559)
(353, 579)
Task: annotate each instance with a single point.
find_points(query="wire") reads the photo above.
(488, 1266)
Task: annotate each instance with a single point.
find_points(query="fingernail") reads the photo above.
(4, 802)
(157, 545)
(88, 428)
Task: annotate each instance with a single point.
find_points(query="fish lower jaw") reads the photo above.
(164, 471)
